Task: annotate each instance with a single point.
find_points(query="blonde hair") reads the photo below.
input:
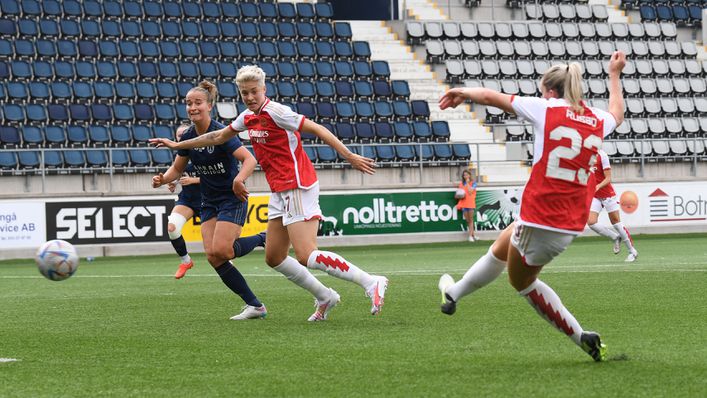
(181, 129)
(250, 73)
(566, 80)
(209, 89)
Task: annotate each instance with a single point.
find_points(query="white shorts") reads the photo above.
(610, 204)
(539, 246)
(295, 205)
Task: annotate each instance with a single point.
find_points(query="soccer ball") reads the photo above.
(57, 260)
(459, 194)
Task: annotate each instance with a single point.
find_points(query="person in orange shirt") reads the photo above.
(467, 202)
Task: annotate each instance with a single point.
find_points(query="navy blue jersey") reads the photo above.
(216, 166)
(193, 190)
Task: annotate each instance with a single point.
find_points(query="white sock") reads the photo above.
(603, 230)
(484, 271)
(625, 236)
(185, 259)
(335, 265)
(300, 276)
(549, 306)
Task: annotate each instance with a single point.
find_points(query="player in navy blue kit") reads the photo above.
(224, 201)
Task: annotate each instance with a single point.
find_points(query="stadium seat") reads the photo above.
(8, 162)
(98, 136)
(10, 137)
(55, 136)
(28, 160)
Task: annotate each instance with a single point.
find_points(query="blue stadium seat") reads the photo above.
(96, 159)
(325, 50)
(110, 29)
(189, 50)
(53, 160)
(171, 30)
(112, 8)
(32, 136)
(420, 109)
(36, 113)
(21, 70)
(120, 160)
(381, 70)
(161, 157)
(286, 10)
(267, 50)
(8, 161)
(287, 30)
(139, 158)
(326, 154)
(326, 111)
(648, 13)
(188, 70)
(381, 89)
(55, 136)
(90, 29)
(364, 111)
(75, 159)
(362, 51)
(166, 91)
(131, 29)
(325, 31)
(345, 111)
(190, 30)
(69, 28)
(363, 89)
(325, 90)
(403, 131)
(402, 110)
(85, 70)
(443, 152)
(98, 136)
(345, 132)
(167, 71)
(286, 91)
(83, 91)
(17, 92)
(422, 130)
(58, 113)
(385, 154)
(28, 160)
(13, 113)
(106, 70)
(344, 70)
(122, 113)
(306, 50)
(77, 136)
(384, 132)
(192, 9)
(424, 152)
(127, 70)
(249, 11)
(306, 90)
(311, 154)
(324, 11)
(61, 91)
(24, 48)
(120, 136)
(365, 132)
(362, 70)
(344, 89)
(165, 113)
(124, 91)
(10, 137)
(325, 70)
(41, 70)
(72, 9)
(107, 49)
(268, 11)
(342, 31)
(149, 50)
(664, 12)
(440, 131)
(79, 113)
(141, 135)
(25, 27)
(162, 131)
(305, 30)
(31, 8)
(143, 113)
(405, 153)
(153, 9)
(87, 49)
(383, 110)
(145, 91)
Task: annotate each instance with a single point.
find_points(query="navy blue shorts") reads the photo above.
(230, 210)
(191, 200)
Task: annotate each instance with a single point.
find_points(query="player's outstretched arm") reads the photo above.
(482, 96)
(358, 162)
(209, 139)
(616, 98)
(174, 171)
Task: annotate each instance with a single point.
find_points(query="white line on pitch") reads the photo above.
(5, 360)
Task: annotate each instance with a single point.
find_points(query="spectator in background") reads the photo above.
(466, 196)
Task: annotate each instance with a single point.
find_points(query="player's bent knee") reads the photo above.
(176, 223)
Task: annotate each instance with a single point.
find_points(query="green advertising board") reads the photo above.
(412, 212)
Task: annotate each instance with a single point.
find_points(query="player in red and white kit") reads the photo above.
(605, 198)
(293, 211)
(555, 202)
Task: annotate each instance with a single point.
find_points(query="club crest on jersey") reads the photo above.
(210, 149)
(251, 122)
(264, 123)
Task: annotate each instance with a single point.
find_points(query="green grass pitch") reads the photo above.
(124, 327)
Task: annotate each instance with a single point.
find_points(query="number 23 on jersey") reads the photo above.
(574, 170)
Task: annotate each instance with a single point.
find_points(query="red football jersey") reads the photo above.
(606, 191)
(274, 134)
(565, 149)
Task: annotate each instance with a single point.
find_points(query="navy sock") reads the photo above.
(243, 246)
(232, 278)
(180, 246)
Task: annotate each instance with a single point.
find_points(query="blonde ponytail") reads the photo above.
(566, 80)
